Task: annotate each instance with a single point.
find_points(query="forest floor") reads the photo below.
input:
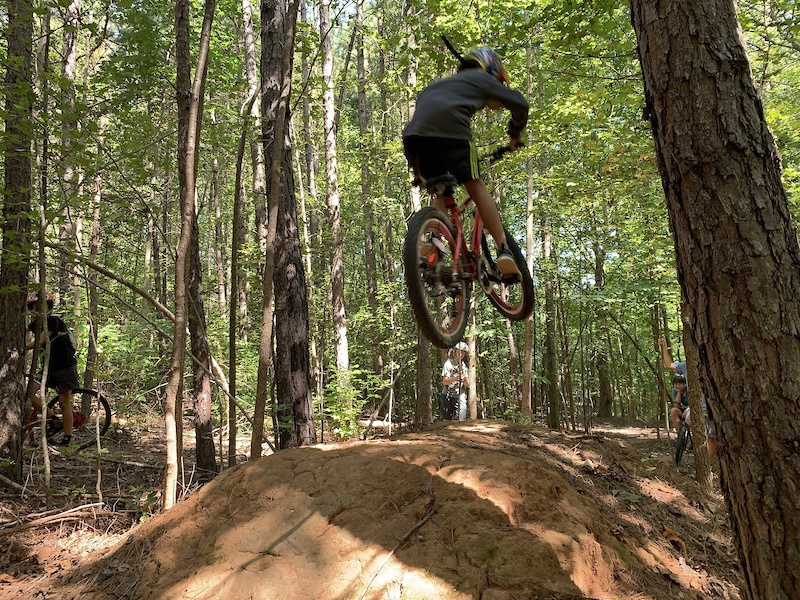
(488, 510)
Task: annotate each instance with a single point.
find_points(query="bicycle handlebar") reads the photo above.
(501, 151)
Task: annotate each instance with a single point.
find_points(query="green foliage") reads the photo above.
(148, 499)
(344, 401)
(588, 165)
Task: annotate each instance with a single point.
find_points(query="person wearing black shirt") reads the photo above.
(62, 371)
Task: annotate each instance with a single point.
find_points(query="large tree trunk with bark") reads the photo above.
(292, 364)
(16, 225)
(204, 438)
(284, 259)
(739, 270)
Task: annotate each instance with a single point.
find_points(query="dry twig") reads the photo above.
(68, 515)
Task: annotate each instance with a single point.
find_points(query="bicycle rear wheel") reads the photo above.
(84, 425)
(438, 290)
(512, 297)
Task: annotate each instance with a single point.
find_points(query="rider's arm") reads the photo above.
(665, 355)
(676, 401)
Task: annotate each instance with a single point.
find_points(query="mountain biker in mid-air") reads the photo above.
(438, 138)
(62, 372)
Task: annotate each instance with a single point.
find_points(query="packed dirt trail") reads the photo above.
(485, 510)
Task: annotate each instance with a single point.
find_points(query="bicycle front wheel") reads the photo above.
(84, 423)
(512, 297)
(438, 289)
(681, 443)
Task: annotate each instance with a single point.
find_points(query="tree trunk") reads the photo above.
(550, 359)
(366, 195)
(334, 208)
(423, 413)
(526, 400)
(313, 266)
(292, 365)
(16, 226)
(70, 173)
(239, 282)
(284, 265)
(601, 349)
(237, 305)
(219, 238)
(205, 453)
(189, 99)
(94, 297)
(738, 266)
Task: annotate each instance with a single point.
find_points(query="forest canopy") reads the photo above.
(104, 174)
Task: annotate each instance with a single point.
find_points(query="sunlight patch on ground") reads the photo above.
(485, 486)
(355, 568)
(635, 432)
(582, 558)
(663, 492)
(636, 520)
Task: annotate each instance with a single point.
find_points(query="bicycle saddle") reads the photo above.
(441, 184)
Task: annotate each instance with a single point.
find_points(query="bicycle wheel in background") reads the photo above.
(681, 443)
(512, 297)
(438, 290)
(83, 424)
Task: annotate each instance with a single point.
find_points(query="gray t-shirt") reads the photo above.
(445, 108)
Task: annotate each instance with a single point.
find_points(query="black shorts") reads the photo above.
(63, 380)
(430, 157)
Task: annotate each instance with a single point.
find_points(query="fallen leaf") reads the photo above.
(674, 538)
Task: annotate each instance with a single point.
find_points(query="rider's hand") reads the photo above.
(662, 342)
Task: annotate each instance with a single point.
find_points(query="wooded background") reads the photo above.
(585, 193)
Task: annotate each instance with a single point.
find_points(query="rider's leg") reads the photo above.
(488, 209)
(675, 417)
(491, 220)
(34, 398)
(65, 401)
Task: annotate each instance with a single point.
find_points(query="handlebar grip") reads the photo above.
(502, 151)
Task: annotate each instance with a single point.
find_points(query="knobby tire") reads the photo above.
(681, 443)
(439, 293)
(512, 298)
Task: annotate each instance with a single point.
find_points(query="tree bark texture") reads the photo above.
(423, 412)
(738, 267)
(334, 207)
(292, 365)
(550, 358)
(14, 264)
(189, 97)
(205, 453)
